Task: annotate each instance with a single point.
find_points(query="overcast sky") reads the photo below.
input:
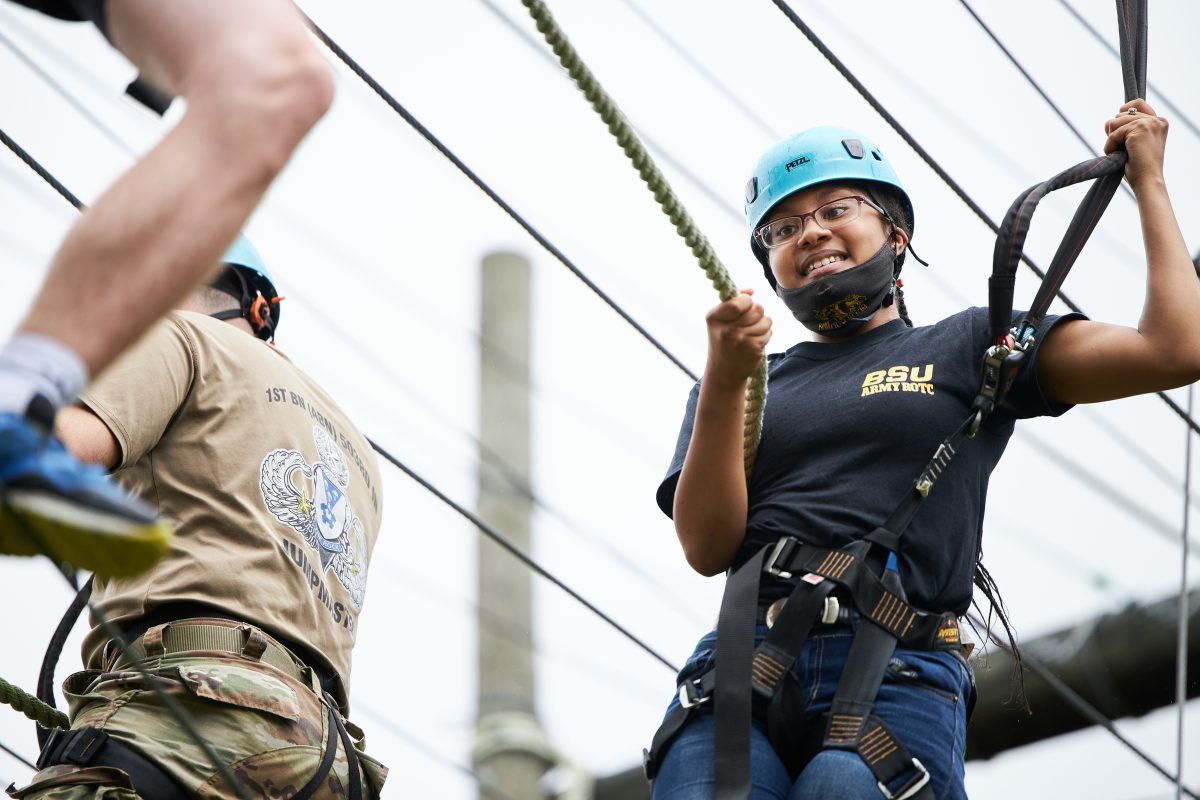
(376, 238)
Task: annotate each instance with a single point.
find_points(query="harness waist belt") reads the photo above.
(212, 634)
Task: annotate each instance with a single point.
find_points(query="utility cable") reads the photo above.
(1037, 88)
(475, 179)
(419, 744)
(61, 91)
(519, 635)
(42, 172)
(170, 704)
(714, 270)
(17, 756)
(663, 153)
(1111, 491)
(517, 553)
(1073, 699)
(1181, 652)
(62, 190)
(486, 529)
(937, 168)
(731, 210)
(698, 65)
(1174, 109)
(516, 482)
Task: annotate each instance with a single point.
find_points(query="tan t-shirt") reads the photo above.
(274, 495)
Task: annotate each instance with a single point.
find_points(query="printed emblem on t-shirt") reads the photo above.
(899, 379)
(313, 500)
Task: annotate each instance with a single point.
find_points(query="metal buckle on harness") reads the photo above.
(1000, 364)
(912, 787)
(685, 694)
(782, 547)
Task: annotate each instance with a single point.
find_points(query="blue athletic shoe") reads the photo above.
(51, 503)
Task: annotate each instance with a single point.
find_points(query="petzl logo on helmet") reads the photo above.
(797, 162)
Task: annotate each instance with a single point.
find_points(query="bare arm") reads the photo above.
(87, 437)
(1087, 362)
(710, 499)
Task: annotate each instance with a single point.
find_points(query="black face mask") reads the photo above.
(839, 305)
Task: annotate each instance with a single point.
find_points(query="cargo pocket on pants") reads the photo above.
(68, 782)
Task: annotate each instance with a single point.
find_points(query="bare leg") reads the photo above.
(254, 86)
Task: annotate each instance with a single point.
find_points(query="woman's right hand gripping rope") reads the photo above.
(738, 332)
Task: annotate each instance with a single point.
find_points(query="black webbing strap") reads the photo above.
(693, 693)
(1107, 171)
(355, 791)
(782, 645)
(731, 696)
(331, 743)
(45, 684)
(852, 725)
(93, 747)
(873, 595)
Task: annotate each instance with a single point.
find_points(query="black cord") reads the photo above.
(18, 756)
(42, 172)
(475, 179)
(517, 553)
(114, 633)
(937, 168)
(1085, 709)
(1174, 109)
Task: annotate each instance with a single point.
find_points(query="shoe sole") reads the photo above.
(105, 544)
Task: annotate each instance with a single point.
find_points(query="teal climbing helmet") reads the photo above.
(260, 299)
(817, 155)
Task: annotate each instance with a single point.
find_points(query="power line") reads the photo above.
(506, 472)
(67, 96)
(418, 744)
(661, 151)
(475, 179)
(486, 529)
(1174, 109)
(1181, 658)
(937, 168)
(1029, 78)
(1037, 88)
(517, 553)
(42, 172)
(1073, 699)
(698, 65)
(17, 756)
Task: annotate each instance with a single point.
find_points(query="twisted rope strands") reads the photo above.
(619, 127)
(41, 713)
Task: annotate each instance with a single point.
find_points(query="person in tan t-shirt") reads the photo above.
(251, 617)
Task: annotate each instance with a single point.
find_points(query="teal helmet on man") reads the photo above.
(259, 298)
(811, 157)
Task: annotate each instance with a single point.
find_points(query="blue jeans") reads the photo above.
(923, 700)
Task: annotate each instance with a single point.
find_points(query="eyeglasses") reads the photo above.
(830, 216)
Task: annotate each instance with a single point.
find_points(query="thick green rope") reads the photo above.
(30, 706)
(618, 126)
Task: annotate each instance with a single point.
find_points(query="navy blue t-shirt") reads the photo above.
(848, 427)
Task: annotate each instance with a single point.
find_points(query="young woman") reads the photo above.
(853, 417)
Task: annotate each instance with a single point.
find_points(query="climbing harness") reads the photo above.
(90, 746)
(618, 125)
(745, 680)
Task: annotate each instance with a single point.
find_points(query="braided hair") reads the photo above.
(897, 214)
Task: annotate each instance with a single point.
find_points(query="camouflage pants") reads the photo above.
(268, 729)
